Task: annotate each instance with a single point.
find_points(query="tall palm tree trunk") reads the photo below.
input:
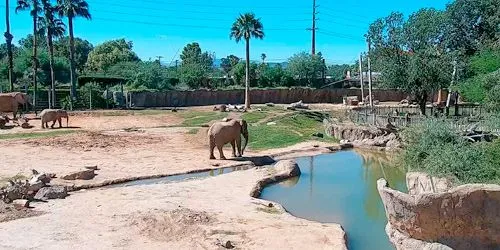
(247, 75)
(35, 60)
(8, 39)
(72, 57)
(51, 65)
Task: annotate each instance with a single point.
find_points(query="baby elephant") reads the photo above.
(53, 115)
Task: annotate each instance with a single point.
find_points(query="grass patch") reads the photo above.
(198, 118)
(133, 112)
(289, 130)
(193, 131)
(255, 116)
(35, 135)
(269, 210)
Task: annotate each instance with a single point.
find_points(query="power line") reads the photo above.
(347, 12)
(223, 6)
(339, 35)
(344, 18)
(343, 24)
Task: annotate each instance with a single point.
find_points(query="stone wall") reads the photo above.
(257, 96)
(465, 217)
(363, 136)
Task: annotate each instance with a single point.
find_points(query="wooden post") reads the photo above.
(369, 74)
(361, 77)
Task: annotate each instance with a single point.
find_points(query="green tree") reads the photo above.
(196, 66)
(192, 54)
(54, 28)
(306, 68)
(110, 53)
(35, 9)
(412, 54)
(263, 56)
(72, 9)
(240, 74)
(82, 48)
(245, 27)
(338, 71)
(228, 64)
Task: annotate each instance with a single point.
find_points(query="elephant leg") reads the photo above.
(212, 147)
(233, 146)
(60, 122)
(43, 124)
(53, 123)
(238, 144)
(221, 152)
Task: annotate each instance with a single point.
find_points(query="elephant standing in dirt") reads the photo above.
(53, 115)
(221, 133)
(9, 102)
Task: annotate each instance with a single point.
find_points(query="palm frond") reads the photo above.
(247, 26)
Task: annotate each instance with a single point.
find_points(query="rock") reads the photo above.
(270, 104)
(228, 245)
(298, 105)
(259, 109)
(91, 167)
(364, 136)
(344, 141)
(319, 135)
(288, 167)
(53, 192)
(420, 183)
(87, 174)
(465, 217)
(271, 123)
(21, 203)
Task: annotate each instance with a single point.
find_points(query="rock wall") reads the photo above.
(257, 96)
(363, 136)
(420, 183)
(465, 217)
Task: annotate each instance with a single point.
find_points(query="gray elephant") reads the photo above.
(9, 102)
(53, 115)
(221, 133)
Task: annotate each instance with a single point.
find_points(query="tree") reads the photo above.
(306, 68)
(72, 9)
(53, 27)
(196, 66)
(240, 73)
(412, 53)
(110, 53)
(245, 27)
(82, 48)
(191, 54)
(34, 5)
(338, 71)
(263, 57)
(8, 39)
(228, 64)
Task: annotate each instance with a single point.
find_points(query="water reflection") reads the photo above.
(341, 188)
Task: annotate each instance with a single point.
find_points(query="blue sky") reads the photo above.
(163, 27)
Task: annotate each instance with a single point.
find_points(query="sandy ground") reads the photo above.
(193, 214)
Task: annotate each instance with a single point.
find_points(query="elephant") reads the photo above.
(223, 132)
(9, 102)
(53, 115)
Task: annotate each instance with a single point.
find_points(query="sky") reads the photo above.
(164, 27)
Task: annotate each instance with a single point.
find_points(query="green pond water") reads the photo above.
(341, 188)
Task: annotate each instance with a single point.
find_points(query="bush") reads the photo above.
(436, 148)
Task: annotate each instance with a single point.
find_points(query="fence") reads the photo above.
(401, 116)
(257, 96)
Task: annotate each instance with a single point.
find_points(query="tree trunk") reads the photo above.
(35, 60)
(72, 58)
(8, 39)
(51, 64)
(247, 75)
(422, 102)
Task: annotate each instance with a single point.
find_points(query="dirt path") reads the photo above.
(188, 215)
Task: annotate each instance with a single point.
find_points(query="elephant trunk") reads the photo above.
(245, 136)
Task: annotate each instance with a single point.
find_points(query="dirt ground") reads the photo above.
(197, 214)
(124, 145)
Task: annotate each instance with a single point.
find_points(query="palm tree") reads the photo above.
(72, 9)
(247, 26)
(34, 5)
(53, 27)
(8, 39)
(263, 57)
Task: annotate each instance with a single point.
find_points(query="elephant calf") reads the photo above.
(53, 115)
(224, 132)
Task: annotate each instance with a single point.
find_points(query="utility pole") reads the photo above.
(313, 29)
(159, 59)
(8, 39)
(369, 74)
(361, 80)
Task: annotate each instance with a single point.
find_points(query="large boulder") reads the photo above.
(53, 192)
(465, 217)
(289, 168)
(364, 136)
(85, 174)
(420, 183)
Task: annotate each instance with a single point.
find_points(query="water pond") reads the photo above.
(341, 188)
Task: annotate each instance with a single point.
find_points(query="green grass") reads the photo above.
(255, 116)
(199, 118)
(134, 112)
(35, 135)
(289, 130)
(193, 131)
